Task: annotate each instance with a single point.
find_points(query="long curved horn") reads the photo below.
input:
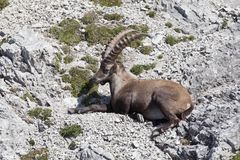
(116, 46)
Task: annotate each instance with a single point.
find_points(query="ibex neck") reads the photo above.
(119, 81)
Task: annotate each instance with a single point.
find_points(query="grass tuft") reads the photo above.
(171, 40)
(113, 17)
(178, 30)
(236, 157)
(140, 27)
(89, 59)
(68, 59)
(108, 3)
(67, 32)
(146, 50)
(92, 96)
(160, 56)
(71, 131)
(89, 17)
(151, 14)
(40, 113)
(168, 24)
(101, 34)
(78, 77)
(31, 142)
(138, 69)
(28, 96)
(79, 80)
(191, 38)
(92, 63)
(38, 154)
(3, 4)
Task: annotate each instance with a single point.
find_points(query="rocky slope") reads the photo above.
(209, 66)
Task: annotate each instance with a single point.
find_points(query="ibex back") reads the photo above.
(154, 99)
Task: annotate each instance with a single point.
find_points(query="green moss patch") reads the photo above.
(151, 14)
(149, 66)
(68, 59)
(41, 113)
(66, 49)
(28, 96)
(71, 131)
(108, 3)
(160, 56)
(89, 59)
(146, 49)
(236, 157)
(138, 69)
(178, 30)
(92, 63)
(80, 85)
(113, 17)
(101, 34)
(190, 38)
(3, 4)
(92, 67)
(66, 78)
(38, 154)
(67, 32)
(89, 17)
(143, 28)
(31, 142)
(137, 43)
(79, 80)
(171, 40)
(168, 24)
(91, 91)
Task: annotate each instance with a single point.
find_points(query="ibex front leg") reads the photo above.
(90, 108)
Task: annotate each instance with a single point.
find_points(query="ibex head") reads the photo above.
(108, 66)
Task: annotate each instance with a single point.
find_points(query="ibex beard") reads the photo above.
(153, 99)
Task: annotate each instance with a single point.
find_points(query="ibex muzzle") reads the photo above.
(154, 99)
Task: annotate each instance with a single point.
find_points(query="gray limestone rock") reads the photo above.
(93, 152)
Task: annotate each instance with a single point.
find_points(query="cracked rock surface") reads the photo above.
(209, 66)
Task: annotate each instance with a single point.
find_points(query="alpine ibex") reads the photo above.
(154, 99)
